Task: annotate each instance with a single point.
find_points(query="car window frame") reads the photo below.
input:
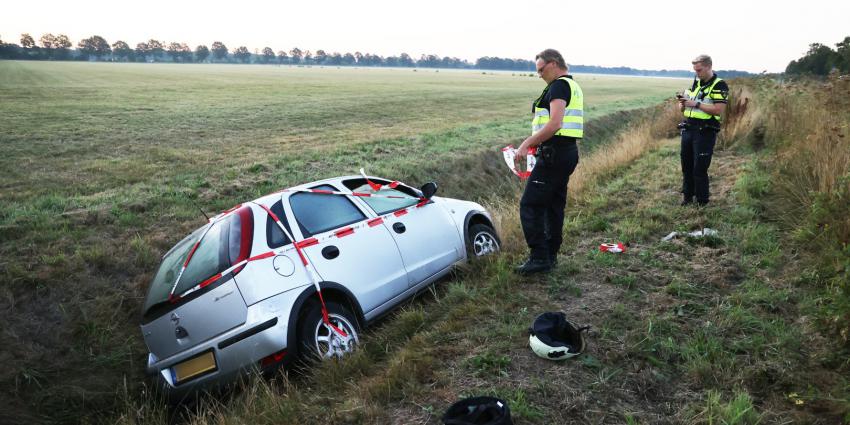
(285, 220)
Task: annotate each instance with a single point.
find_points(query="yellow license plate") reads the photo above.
(194, 367)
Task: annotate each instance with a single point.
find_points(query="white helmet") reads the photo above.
(553, 337)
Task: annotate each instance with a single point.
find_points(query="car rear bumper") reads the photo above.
(235, 352)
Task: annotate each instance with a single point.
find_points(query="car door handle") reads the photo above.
(399, 227)
(330, 252)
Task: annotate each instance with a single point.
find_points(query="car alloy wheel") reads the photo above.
(484, 240)
(329, 343)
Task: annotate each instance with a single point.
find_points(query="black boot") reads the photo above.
(534, 265)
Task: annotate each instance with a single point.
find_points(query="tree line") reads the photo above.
(96, 48)
(822, 59)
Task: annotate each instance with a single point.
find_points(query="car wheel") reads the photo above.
(482, 241)
(320, 341)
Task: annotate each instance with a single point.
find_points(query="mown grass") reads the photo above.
(688, 331)
(106, 165)
(702, 331)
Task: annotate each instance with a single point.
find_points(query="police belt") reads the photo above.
(696, 124)
(551, 145)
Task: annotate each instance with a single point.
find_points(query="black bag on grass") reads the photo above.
(478, 411)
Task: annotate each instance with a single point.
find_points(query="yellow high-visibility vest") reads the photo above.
(705, 95)
(573, 122)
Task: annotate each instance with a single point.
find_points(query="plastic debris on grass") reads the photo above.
(615, 248)
(695, 234)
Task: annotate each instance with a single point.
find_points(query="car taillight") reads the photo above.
(241, 236)
(273, 358)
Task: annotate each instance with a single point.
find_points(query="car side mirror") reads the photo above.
(429, 189)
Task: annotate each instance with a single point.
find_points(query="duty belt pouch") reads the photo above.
(697, 127)
(546, 153)
(707, 127)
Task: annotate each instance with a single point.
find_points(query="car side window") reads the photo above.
(274, 236)
(317, 213)
(384, 205)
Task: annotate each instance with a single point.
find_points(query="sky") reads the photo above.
(752, 36)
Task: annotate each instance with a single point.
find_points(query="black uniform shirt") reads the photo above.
(559, 89)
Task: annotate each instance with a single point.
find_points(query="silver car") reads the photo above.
(242, 292)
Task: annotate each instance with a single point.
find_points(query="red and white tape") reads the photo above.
(298, 246)
(509, 153)
(377, 186)
(615, 248)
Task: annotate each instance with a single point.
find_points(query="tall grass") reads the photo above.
(806, 125)
(740, 119)
(627, 146)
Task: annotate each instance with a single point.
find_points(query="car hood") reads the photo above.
(460, 206)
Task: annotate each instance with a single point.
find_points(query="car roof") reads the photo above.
(273, 197)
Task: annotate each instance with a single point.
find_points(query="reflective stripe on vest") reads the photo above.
(701, 94)
(573, 123)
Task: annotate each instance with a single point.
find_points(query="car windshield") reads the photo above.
(206, 261)
(384, 205)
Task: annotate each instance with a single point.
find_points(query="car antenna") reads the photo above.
(199, 209)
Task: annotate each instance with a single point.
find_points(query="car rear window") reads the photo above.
(227, 242)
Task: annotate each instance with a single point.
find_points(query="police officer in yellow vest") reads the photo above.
(702, 106)
(557, 124)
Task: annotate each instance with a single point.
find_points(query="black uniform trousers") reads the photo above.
(541, 209)
(697, 150)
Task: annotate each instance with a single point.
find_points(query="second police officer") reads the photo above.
(701, 106)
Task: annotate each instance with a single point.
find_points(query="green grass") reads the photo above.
(107, 162)
(92, 126)
(739, 410)
(677, 335)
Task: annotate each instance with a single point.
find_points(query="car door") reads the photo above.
(426, 236)
(339, 242)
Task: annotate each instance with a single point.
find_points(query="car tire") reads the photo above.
(483, 241)
(316, 341)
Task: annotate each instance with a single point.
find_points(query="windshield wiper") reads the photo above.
(171, 297)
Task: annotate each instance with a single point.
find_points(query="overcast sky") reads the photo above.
(747, 35)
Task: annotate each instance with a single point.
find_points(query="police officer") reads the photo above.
(702, 106)
(557, 124)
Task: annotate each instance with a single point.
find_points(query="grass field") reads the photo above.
(102, 164)
(736, 328)
(98, 123)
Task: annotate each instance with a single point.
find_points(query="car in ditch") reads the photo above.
(297, 274)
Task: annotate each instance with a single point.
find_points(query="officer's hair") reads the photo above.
(552, 55)
(703, 59)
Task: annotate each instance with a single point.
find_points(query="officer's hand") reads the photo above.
(521, 153)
